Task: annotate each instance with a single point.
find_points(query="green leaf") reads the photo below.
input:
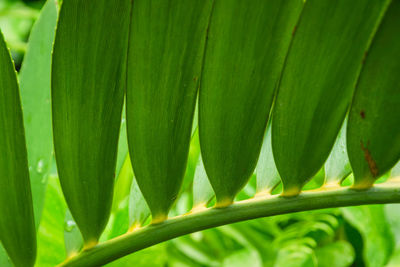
(35, 96)
(337, 166)
(373, 225)
(396, 171)
(72, 236)
(138, 209)
(17, 224)
(237, 86)
(164, 64)
(119, 219)
(4, 259)
(51, 229)
(317, 84)
(267, 174)
(88, 77)
(374, 126)
(244, 257)
(202, 190)
(337, 254)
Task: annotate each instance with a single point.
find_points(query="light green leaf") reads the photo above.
(202, 190)
(246, 48)
(17, 224)
(35, 96)
(138, 209)
(337, 166)
(396, 171)
(4, 259)
(88, 79)
(164, 64)
(51, 229)
(317, 84)
(266, 172)
(244, 257)
(373, 225)
(72, 236)
(374, 124)
(337, 254)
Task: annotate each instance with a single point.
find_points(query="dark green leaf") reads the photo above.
(17, 224)
(165, 55)
(88, 77)
(317, 84)
(245, 52)
(35, 96)
(374, 121)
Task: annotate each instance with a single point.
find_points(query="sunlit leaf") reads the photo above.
(373, 225)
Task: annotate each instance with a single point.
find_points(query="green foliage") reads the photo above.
(303, 59)
(17, 225)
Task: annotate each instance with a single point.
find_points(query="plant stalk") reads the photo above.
(261, 206)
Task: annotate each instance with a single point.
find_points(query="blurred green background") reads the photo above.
(355, 236)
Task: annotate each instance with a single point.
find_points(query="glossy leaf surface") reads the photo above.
(164, 64)
(317, 84)
(17, 225)
(237, 86)
(374, 121)
(88, 80)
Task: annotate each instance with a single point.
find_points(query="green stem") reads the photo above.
(113, 249)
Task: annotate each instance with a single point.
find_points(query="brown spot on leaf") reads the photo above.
(294, 30)
(195, 78)
(364, 57)
(362, 114)
(371, 162)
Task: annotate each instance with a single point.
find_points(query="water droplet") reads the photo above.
(40, 165)
(123, 120)
(69, 225)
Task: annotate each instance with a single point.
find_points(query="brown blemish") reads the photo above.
(195, 78)
(362, 114)
(371, 162)
(294, 30)
(364, 57)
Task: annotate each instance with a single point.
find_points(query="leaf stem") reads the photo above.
(141, 238)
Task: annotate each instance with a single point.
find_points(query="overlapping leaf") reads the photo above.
(246, 47)
(317, 84)
(165, 56)
(374, 121)
(88, 77)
